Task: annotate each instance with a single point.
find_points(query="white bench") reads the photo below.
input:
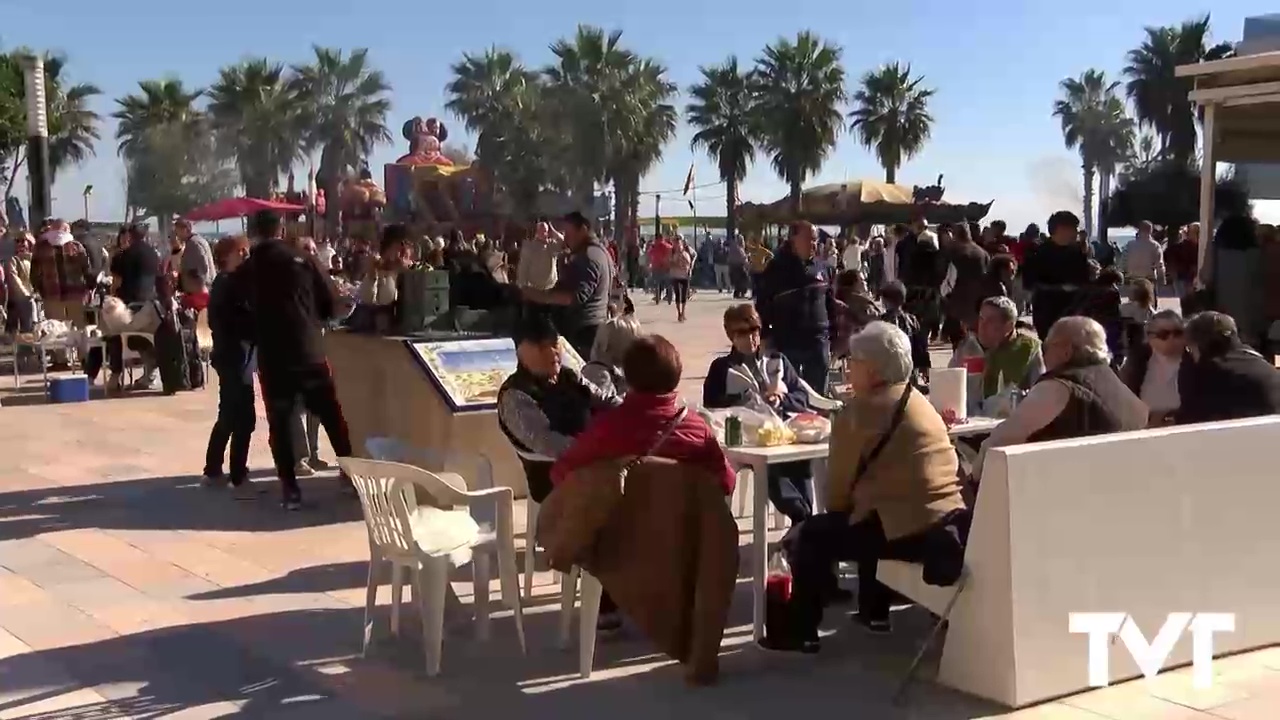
(1149, 523)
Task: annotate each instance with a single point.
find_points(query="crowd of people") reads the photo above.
(1099, 355)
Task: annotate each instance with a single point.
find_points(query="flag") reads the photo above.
(688, 180)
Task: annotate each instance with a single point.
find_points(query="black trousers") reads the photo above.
(821, 542)
(789, 490)
(115, 354)
(681, 287)
(281, 388)
(235, 424)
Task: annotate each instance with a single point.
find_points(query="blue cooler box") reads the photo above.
(69, 389)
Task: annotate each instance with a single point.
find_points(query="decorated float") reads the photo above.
(857, 202)
(429, 191)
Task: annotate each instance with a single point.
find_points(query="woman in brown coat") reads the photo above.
(892, 493)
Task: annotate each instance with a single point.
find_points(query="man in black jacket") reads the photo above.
(796, 307)
(290, 296)
(1227, 380)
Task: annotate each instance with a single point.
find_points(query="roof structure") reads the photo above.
(1240, 97)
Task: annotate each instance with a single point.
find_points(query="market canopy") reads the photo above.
(864, 201)
(239, 207)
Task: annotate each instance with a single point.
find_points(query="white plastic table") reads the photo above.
(758, 460)
(43, 347)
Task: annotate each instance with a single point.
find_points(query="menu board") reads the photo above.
(468, 373)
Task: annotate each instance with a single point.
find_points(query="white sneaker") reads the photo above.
(146, 382)
(303, 469)
(210, 481)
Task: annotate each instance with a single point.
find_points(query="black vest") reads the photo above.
(1095, 405)
(566, 403)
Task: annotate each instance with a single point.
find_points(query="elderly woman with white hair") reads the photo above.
(612, 342)
(893, 493)
(1077, 396)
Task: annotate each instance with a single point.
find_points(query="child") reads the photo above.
(894, 295)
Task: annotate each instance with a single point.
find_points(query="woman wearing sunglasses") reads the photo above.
(1151, 370)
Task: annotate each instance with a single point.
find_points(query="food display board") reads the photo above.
(469, 372)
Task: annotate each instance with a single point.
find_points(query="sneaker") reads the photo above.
(292, 503)
(213, 481)
(115, 384)
(303, 469)
(876, 626)
(317, 464)
(245, 491)
(146, 382)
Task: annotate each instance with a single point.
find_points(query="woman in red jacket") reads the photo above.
(652, 370)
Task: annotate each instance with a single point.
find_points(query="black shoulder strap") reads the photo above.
(898, 412)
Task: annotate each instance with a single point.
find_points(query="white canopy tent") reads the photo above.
(1241, 101)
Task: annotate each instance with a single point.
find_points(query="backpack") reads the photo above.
(171, 352)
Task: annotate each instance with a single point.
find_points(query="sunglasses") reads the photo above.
(748, 330)
(1165, 334)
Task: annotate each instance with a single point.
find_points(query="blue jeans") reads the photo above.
(812, 361)
(789, 490)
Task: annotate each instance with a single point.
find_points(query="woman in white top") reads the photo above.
(1151, 370)
(679, 271)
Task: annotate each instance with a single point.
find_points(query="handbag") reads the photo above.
(577, 510)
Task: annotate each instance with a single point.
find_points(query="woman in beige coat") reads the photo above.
(893, 491)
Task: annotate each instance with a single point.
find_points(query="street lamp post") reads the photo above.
(37, 140)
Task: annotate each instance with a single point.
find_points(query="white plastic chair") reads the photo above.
(531, 527)
(128, 356)
(817, 400)
(588, 616)
(394, 450)
(388, 496)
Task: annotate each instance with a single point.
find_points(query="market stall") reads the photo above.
(433, 390)
(865, 201)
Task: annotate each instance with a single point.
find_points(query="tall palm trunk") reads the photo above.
(1088, 198)
(730, 222)
(1104, 197)
(329, 177)
(891, 174)
(621, 184)
(796, 192)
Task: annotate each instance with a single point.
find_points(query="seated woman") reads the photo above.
(1227, 379)
(893, 492)
(1078, 395)
(750, 375)
(652, 370)
(1136, 313)
(1151, 370)
(116, 319)
(544, 405)
(612, 342)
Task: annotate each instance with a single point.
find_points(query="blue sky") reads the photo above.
(995, 64)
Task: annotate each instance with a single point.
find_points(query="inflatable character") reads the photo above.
(362, 204)
(425, 138)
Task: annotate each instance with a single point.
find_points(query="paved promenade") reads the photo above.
(128, 591)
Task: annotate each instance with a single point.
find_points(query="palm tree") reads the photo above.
(587, 88)
(721, 112)
(345, 102)
(646, 122)
(158, 103)
(258, 119)
(1095, 123)
(891, 116)
(798, 88)
(73, 127)
(1160, 97)
(497, 98)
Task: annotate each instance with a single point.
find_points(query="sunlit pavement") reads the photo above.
(128, 591)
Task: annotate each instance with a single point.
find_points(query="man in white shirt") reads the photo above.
(852, 257)
(1144, 257)
(538, 255)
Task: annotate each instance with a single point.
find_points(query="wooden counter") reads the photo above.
(385, 392)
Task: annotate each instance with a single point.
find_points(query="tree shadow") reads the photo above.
(305, 663)
(176, 502)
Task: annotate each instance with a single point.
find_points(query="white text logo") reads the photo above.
(1151, 656)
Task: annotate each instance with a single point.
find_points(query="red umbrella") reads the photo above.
(239, 207)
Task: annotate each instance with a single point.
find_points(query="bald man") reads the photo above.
(797, 306)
